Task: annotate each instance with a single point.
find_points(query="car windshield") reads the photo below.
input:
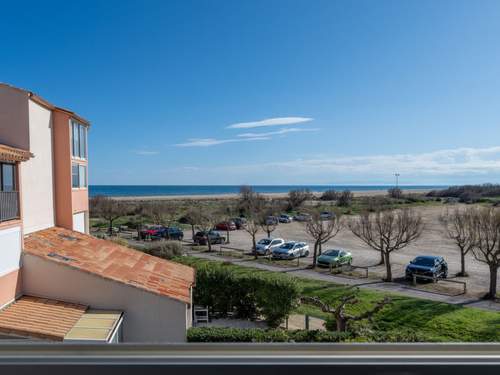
(421, 261)
(265, 241)
(332, 253)
(288, 245)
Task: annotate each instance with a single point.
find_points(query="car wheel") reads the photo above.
(306, 254)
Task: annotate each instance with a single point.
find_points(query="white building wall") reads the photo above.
(10, 250)
(37, 173)
(148, 318)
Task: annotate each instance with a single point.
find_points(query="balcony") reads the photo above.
(9, 205)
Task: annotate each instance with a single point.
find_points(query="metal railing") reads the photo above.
(9, 205)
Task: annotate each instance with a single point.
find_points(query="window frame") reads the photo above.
(78, 176)
(79, 140)
(14, 177)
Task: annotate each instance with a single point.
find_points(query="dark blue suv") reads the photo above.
(427, 265)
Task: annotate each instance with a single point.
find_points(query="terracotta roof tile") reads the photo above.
(40, 318)
(112, 261)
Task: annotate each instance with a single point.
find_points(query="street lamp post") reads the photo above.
(397, 179)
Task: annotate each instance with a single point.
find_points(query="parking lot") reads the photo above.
(432, 242)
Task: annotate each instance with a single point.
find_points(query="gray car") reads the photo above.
(291, 250)
(266, 245)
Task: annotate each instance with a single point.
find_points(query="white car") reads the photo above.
(291, 250)
(266, 245)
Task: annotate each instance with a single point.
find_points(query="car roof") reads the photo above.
(430, 257)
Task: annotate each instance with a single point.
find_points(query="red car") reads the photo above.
(226, 225)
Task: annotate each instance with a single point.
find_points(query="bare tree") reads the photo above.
(267, 223)
(485, 224)
(193, 218)
(108, 209)
(395, 192)
(207, 220)
(342, 318)
(459, 230)
(345, 198)
(387, 231)
(252, 228)
(162, 213)
(296, 198)
(226, 213)
(321, 231)
(249, 200)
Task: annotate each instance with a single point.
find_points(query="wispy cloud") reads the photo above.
(474, 165)
(278, 132)
(278, 121)
(207, 142)
(146, 153)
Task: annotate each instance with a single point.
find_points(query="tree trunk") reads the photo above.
(268, 233)
(462, 263)
(493, 282)
(192, 232)
(320, 250)
(209, 243)
(227, 233)
(315, 254)
(341, 324)
(254, 247)
(388, 268)
(111, 227)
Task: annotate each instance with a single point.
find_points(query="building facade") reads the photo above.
(51, 269)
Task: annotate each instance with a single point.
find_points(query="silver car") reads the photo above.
(266, 245)
(291, 250)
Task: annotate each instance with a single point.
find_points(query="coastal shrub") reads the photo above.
(484, 191)
(246, 296)
(165, 249)
(329, 195)
(345, 198)
(297, 198)
(223, 334)
(395, 193)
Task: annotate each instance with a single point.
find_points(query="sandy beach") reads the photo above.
(363, 193)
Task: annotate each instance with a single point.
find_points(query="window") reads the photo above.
(7, 177)
(79, 135)
(78, 176)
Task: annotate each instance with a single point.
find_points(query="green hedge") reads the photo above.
(247, 296)
(220, 334)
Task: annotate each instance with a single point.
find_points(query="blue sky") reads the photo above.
(350, 91)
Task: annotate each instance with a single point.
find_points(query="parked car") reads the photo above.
(302, 217)
(226, 225)
(266, 245)
(240, 222)
(284, 218)
(272, 220)
(291, 250)
(200, 238)
(427, 265)
(156, 232)
(327, 215)
(334, 257)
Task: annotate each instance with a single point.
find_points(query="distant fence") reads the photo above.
(436, 280)
(339, 269)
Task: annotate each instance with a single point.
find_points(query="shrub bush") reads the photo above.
(222, 334)
(329, 195)
(165, 249)
(246, 295)
(395, 192)
(345, 198)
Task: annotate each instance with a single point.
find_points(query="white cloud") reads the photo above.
(146, 153)
(278, 121)
(460, 165)
(207, 142)
(278, 132)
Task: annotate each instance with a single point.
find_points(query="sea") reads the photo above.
(169, 190)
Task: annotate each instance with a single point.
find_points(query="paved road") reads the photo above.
(402, 289)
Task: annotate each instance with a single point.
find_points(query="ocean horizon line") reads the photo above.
(181, 190)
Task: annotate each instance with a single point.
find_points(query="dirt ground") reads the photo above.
(432, 242)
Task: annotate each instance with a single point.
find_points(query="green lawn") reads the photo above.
(434, 321)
